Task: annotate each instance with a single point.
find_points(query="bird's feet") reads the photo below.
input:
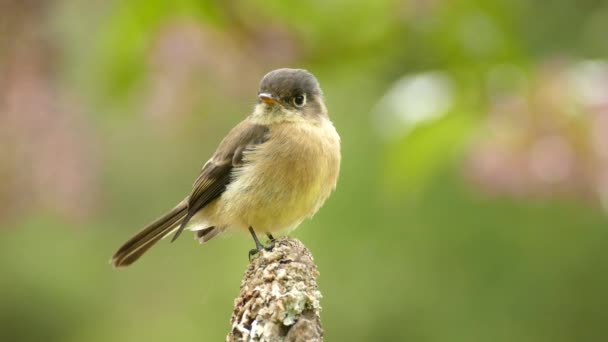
(259, 246)
(270, 245)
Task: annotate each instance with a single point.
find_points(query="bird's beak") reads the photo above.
(268, 99)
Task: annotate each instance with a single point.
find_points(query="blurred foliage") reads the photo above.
(474, 186)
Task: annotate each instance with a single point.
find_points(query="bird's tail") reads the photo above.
(149, 235)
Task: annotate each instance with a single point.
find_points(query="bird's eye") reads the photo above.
(299, 100)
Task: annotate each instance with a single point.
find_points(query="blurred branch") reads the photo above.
(279, 297)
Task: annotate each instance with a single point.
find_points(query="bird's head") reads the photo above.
(290, 94)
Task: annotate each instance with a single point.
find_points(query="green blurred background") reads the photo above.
(472, 199)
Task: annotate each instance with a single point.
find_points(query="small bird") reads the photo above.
(273, 170)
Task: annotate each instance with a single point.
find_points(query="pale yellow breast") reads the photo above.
(284, 180)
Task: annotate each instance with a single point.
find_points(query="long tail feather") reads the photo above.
(149, 235)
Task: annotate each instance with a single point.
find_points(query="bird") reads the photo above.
(272, 171)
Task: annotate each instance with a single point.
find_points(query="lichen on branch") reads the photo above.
(279, 298)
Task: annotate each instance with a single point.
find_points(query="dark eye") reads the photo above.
(299, 100)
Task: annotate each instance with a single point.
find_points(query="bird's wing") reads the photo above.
(217, 172)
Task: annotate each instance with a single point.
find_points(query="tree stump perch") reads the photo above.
(279, 298)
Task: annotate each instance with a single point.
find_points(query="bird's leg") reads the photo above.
(270, 246)
(258, 244)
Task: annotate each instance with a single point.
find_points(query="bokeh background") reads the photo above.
(473, 198)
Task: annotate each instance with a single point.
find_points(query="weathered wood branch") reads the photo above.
(279, 297)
